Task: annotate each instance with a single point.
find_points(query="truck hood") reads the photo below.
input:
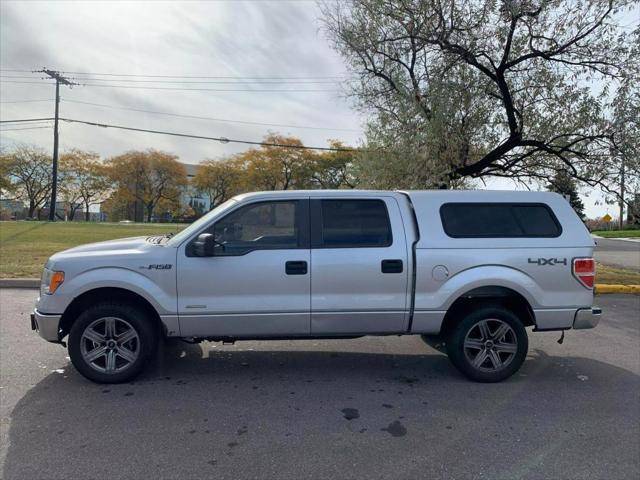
(110, 253)
(131, 243)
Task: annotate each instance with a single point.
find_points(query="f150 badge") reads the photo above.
(157, 266)
(548, 261)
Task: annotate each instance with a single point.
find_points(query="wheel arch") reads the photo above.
(114, 294)
(486, 296)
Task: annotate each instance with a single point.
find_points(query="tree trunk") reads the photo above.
(32, 208)
(149, 212)
(86, 212)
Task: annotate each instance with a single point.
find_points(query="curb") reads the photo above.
(19, 283)
(604, 288)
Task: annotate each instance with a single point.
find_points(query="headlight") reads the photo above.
(51, 280)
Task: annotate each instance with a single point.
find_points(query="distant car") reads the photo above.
(125, 221)
(471, 269)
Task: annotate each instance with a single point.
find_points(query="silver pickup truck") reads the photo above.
(466, 269)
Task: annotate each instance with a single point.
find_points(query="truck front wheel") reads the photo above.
(110, 343)
(488, 345)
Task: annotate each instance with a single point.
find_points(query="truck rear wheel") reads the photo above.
(110, 343)
(488, 345)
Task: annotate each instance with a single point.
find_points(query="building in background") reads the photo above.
(11, 209)
(191, 197)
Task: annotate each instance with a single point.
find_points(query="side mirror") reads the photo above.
(204, 245)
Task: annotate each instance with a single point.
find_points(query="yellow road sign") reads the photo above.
(607, 218)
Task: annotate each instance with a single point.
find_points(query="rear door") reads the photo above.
(358, 266)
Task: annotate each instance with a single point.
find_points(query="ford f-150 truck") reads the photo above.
(467, 269)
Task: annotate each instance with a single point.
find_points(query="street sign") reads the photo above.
(607, 218)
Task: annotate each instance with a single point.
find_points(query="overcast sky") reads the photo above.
(213, 38)
(225, 39)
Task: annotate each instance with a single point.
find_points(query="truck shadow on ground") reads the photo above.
(300, 414)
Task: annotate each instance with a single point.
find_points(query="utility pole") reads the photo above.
(54, 181)
(622, 192)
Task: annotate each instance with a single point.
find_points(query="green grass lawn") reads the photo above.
(617, 233)
(25, 246)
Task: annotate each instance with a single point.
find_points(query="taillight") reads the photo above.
(584, 269)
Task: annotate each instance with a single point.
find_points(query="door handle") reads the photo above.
(391, 266)
(295, 267)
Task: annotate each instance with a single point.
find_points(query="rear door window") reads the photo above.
(354, 223)
(498, 220)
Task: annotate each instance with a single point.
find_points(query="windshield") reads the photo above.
(179, 237)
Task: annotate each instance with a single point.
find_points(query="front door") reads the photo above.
(258, 281)
(358, 266)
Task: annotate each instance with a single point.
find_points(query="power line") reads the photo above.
(26, 120)
(202, 137)
(25, 128)
(28, 101)
(197, 117)
(206, 89)
(257, 90)
(19, 76)
(140, 75)
(213, 77)
(219, 82)
(27, 82)
(222, 81)
(48, 122)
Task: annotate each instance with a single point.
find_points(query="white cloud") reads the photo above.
(260, 39)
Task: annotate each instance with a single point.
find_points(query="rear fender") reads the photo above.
(489, 276)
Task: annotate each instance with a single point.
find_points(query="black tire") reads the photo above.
(510, 348)
(127, 318)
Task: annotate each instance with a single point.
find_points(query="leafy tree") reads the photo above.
(151, 178)
(564, 184)
(219, 179)
(274, 167)
(28, 173)
(333, 169)
(482, 87)
(83, 180)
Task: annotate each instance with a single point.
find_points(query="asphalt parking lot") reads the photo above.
(387, 407)
(618, 253)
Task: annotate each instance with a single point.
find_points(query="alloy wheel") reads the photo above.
(490, 345)
(110, 345)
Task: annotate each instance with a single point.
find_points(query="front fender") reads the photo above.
(161, 293)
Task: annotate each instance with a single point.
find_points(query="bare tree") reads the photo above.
(481, 87)
(29, 170)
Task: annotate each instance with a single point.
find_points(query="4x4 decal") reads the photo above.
(548, 261)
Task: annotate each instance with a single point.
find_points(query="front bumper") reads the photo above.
(46, 325)
(587, 318)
